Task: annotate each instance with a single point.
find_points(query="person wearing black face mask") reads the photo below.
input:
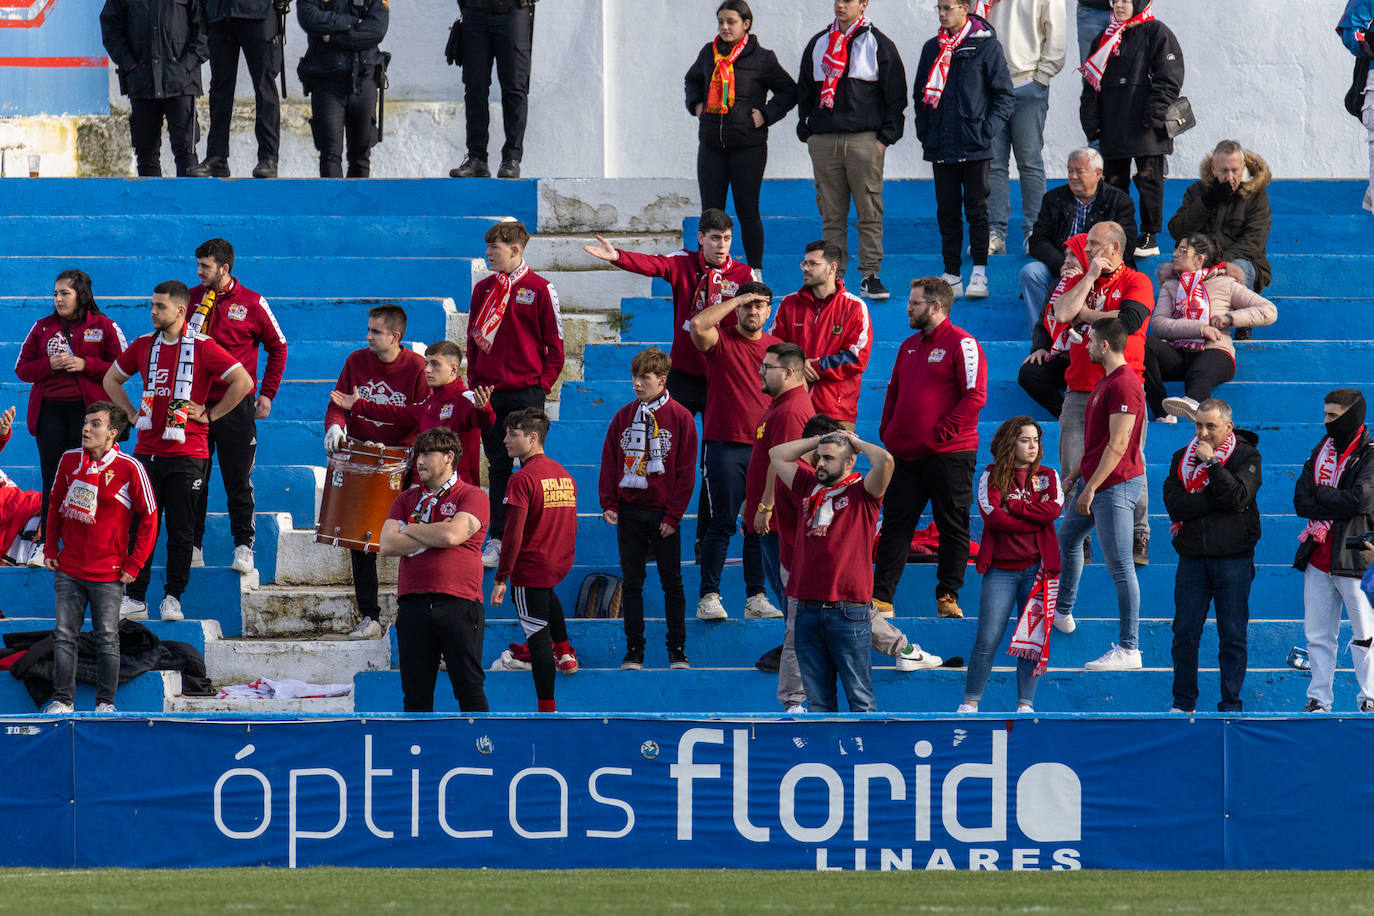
(1335, 492)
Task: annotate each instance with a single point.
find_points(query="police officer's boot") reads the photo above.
(212, 167)
(266, 168)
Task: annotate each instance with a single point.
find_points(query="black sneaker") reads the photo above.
(266, 168)
(633, 660)
(1141, 551)
(471, 168)
(510, 168)
(1314, 706)
(1146, 246)
(872, 288)
(677, 658)
(213, 167)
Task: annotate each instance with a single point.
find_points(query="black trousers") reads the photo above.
(59, 429)
(740, 171)
(430, 626)
(1149, 182)
(541, 616)
(234, 437)
(1200, 371)
(506, 39)
(342, 120)
(257, 39)
(365, 583)
(637, 536)
(145, 132)
(690, 391)
(176, 484)
(499, 464)
(1044, 382)
(962, 185)
(946, 483)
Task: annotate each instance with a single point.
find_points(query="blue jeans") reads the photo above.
(1091, 23)
(1024, 133)
(1004, 594)
(1112, 515)
(772, 568)
(1246, 268)
(725, 469)
(835, 640)
(1199, 582)
(70, 610)
(1036, 283)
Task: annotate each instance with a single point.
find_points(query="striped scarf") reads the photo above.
(645, 445)
(837, 59)
(1096, 65)
(1032, 636)
(1327, 473)
(83, 495)
(819, 508)
(939, 71)
(1191, 303)
(721, 93)
(494, 307)
(178, 405)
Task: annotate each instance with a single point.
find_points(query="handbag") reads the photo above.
(1178, 117)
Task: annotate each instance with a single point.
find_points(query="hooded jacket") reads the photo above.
(977, 101)
(1349, 506)
(157, 46)
(871, 94)
(1221, 519)
(1138, 85)
(757, 74)
(1239, 221)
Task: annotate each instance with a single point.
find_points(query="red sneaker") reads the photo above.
(566, 656)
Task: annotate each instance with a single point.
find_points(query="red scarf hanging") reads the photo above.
(1077, 246)
(710, 286)
(1195, 475)
(939, 71)
(721, 93)
(836, 59)
(983, 8)
(1192, 303)
(494, 306)
(1096, 65)
(83, 492)
(1032, 636)
(819, 508)
(1327, 473)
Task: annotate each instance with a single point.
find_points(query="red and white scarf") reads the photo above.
(939, 71)
(836, 59)
(720, 95)
(1096, 65)
(178, 405)
(83, 493)
(1059, 330)
(1032, 636)
(819, 508)
(431, 498)
(983, 8)
(645, 445)
(1327, 473)
(1192, 303)
(1194, 474)
(494, 306)
(710, 287)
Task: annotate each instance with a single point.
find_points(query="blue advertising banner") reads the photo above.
(36, 793)
(52, 61)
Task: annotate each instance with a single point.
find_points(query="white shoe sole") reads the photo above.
(1065, 625)
(976, 292)
(711, 615)
(925, 663)
(1112, 666)
(762, 615)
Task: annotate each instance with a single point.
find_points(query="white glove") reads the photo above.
(334, 438)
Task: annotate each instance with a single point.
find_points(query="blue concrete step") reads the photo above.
(280, 442)
(143, 694)
(219, 543)
(191, 632)
(212, 594)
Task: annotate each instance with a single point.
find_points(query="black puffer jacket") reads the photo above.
(977, 101)
(1139, 84)
(757, 74)
(1220, 520)
(157, 46)
(1349, 507)
(355, 29)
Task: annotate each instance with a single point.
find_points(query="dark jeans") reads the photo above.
(1200, 371)
(234, 437)
(726, 466)
(506, 39)
(637, 536)
(176, 483)
(1224, 581)
(145, 132)
(1149, 182)
(741, 172)
(59, 429)
(962, 185)
(541, 617)
(835, 640)
(499, 464)
(690, 391)
(365, 583)
(72, 597)
(946, 483)
(336, 112)
(1044, 382)
(257, 39)
(428, 626)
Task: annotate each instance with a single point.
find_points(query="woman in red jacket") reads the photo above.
(65, 358)
(1018, 559)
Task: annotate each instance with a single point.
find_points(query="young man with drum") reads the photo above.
(436, 529)
(383, 373)
(178, 367)
(541, 507)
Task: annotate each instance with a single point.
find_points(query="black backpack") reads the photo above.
(599, 596)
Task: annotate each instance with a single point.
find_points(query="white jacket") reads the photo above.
(1034, 36)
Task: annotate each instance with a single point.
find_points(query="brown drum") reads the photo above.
(360, 485)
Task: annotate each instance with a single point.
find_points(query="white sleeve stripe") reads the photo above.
(226, 372)
(1058, 488)
(862, 342)
(147, 484)
(970, 348)
(18, 359)
(983, 505)
(119, 333)
(272, 318)
(557, 312)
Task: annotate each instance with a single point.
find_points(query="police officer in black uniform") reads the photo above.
(500, 31)
(249, 26)
(157, 47)
(340, 71)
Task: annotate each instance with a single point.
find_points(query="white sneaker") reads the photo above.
(58, 708)
(955, 283)
(965, 707)
(1167, 418)
(367, 629)
(798, 709)
(710, 608)
(197, 558)
(36, 560)
(977, 287)
(1116, 659)
(1024, 708)
(104, 707)
(758, 607)
(1065, 623)
(170, 609)
(491, 553)
(911, 658)
(129, 609)
(243, 560)
(1176, 709)
(1181, 407)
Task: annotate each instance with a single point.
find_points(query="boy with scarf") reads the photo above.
(1335, 492)
(648, 470)
(1210, 497)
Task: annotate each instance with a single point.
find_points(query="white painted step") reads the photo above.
(313, 611)
(301, 561)
(342, 704)
(315, 661)
(599, 289)
(564, 252)
(617, 204)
